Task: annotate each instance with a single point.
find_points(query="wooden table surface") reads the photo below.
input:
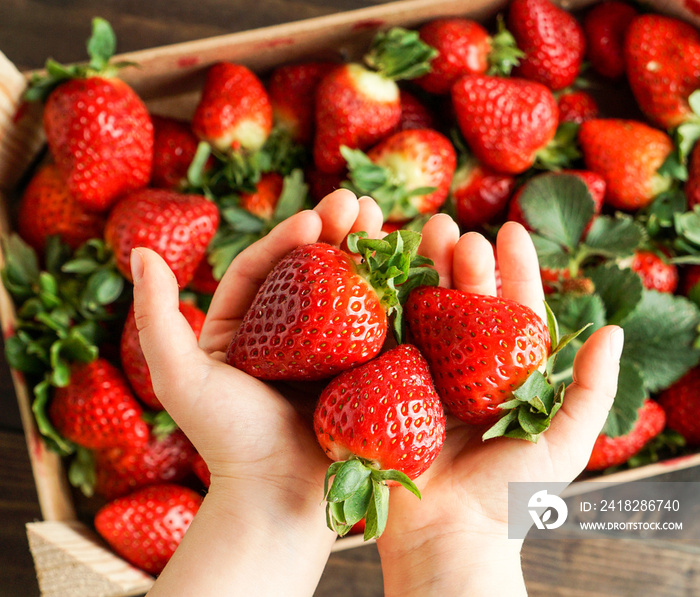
(32, 30)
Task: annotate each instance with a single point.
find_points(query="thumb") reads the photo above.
(176, 363)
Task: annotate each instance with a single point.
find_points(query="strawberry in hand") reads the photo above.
(98, 130)
(382, 422)
(358, 105)
(318, 312)
(408, 174)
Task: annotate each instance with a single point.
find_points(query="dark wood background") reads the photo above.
(31, 31)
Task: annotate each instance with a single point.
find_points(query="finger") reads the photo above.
(520, 270)
(440, 235)
(249, 269)
(590, 396)
(370, 218)
(338, 211)
(474, 268)
(170, 346)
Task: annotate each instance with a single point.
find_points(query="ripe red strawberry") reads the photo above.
(577, 106)
(201, 469)
(145, 527)
(234, 112)
(408, 173)
(614, 451)
(48, 208)
(463, 48)
(692, 185)
(605, 27)
(318, 312)
(174, 147)
(178, 227)
(378, 417)
(655, 272)
(662, 56)
(166, 459)
(203, 280)
(292, 91)
(506, 122)
(414, 114)
(357, 106)
(681, 402)
(134, 363)
(627, 154)
(596, 187)
(480, 348)
(690, 285)
(479, 194)
(321, 183)
(100, 135)
(97, 409)
(263, 200)
(552, 40)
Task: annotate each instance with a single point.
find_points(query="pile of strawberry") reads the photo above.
(485, 125)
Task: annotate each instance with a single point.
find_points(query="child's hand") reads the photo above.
(460, 524)
(263, 519)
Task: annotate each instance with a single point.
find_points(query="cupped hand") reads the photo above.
(466, 488)
(245, 429)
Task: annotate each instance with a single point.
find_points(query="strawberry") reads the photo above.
(262, 201)
(479, 194)
(577, 106)
(174, 148)
(201, 469)
(605, 27)
(203, 280)
(681, 403)
(506, 122)
(146, 526)
(166, 459)
(552, 40)
(464, 47)
(480, 348)
(414, 114)
(692, 185)
(614, 451)
(234, 111)
(357, 106)
(318, 312)
(384, 422)
(134, 363)
(178, 227)
(292, 91)
(48, 208)
(97, 409)
(662, 57)
(656, 273)
(596, 187)
(627, 154)
(321, 184)
(690, 285)
(408, 173)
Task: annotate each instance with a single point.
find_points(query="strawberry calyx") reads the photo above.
(505, 54)
(381, 183)
(533, 406)
(62, 316)
(101, 47)
(393, 268)
(685, 136)
(562, 150)
(358, 492)
(81, 472)
(399, 53)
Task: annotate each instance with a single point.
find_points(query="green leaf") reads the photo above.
(356, 504)
(379, 508)
(399, 54)
(20, 359)
(293, 196)
(659, 336)
(614, 236)
(101, 45)
(629, 398)
(620, 289)
(557, 207)
(81, 473)
(505, 54)
(242, 221)
(56, 441)
(551, 254)
(197, 168)
(348, 479)
(80, 266)
(104, 287)
(397, 477)
(687, 225)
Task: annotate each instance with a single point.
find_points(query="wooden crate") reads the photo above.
(70, 559)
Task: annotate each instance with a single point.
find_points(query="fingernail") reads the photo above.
(136, 262)
(617, 342)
